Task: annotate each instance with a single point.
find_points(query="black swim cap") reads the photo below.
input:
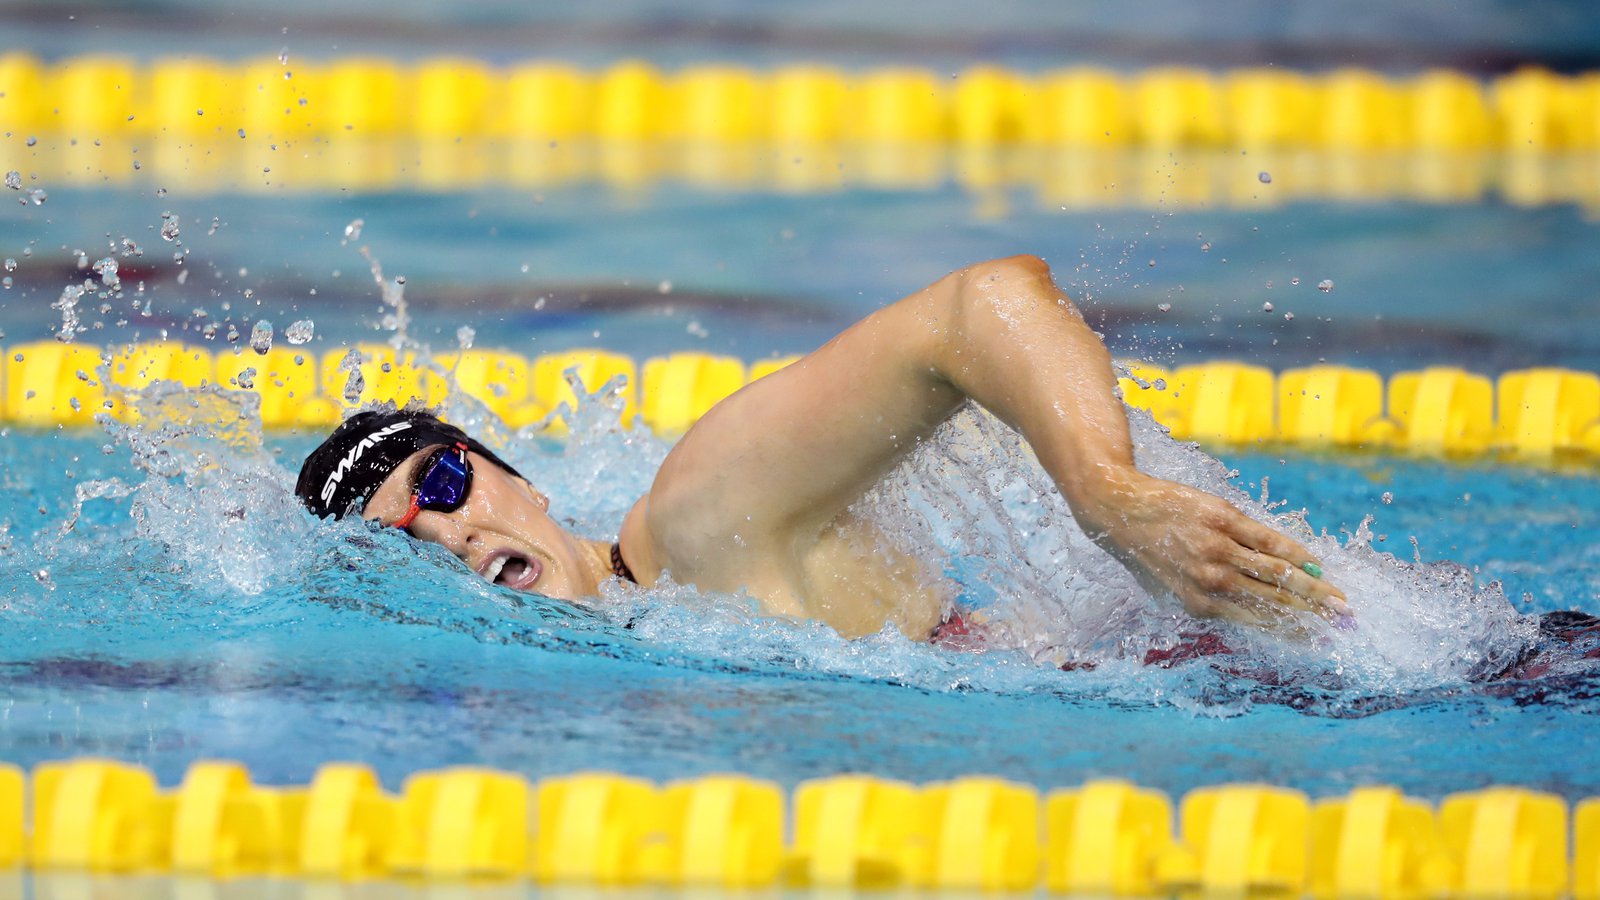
(343, 473)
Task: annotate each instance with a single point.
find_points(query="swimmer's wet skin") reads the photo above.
(755, 497)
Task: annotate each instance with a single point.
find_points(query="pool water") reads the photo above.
(201, 614)
(1490, 286)
(164, 599)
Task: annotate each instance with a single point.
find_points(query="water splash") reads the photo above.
(67, 303)
(222, 510)
(604, 465)
(261, 337)
(972, 502)
(397, 319)
(355, 383)
(976, 496)
(300, 332)
(107, 270)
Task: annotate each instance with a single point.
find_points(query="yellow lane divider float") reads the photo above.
(1079, 137)
(1105, 837)
(100, 96)
(1542, 414)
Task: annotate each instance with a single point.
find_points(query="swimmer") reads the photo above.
(756, 497)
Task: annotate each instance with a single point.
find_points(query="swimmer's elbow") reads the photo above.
(1009, 291)
(1024, 268)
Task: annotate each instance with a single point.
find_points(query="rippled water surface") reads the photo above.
(164, 599)
(189, 609)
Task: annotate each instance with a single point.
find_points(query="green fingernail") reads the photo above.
(1312, 569)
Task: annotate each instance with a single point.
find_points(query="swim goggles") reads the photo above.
(446, 479)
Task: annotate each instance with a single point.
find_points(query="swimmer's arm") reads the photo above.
(792, 450)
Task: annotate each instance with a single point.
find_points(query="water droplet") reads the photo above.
(1264, 177)
(169, 227)
(1387, 498)
(664, 287)
(465, 335)
(1288, 317)
(299, 332)
(38, 196)
(1165, 307)
(246, 378)
(356, 383)
(1151, 264)
(14, 180)
(1325, 285)
(1159, 384)
(283, 57)
(67, 303)
(108, 273)
(233, 335)
(161, 192)
(1205, 247)
(6, 282)
(261, 337)
(241, 132)
(11, 264)
(1266, 307)
(32, 141)
(352, 232)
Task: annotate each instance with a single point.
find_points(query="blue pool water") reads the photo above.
(203, 615)
(1490, 286)
(189, 609)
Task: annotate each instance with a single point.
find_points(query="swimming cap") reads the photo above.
(342, 474)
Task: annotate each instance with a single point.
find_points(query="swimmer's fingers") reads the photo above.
(1277, 582)
(1258, 537)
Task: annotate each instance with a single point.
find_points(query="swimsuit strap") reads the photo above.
(620, 568)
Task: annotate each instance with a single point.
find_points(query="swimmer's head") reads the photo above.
(342, 474)
(377, 465)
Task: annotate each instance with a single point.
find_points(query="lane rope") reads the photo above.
(1537, 415)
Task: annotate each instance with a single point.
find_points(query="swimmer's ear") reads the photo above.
(543, 500)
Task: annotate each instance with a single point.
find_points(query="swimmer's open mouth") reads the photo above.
(512, 570)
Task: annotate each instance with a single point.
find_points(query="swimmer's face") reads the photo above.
(503, 531)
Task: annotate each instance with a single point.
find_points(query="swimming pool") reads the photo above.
(194, 612)
(384, 652)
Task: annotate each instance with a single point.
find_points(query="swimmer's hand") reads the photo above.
(1217, 561)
